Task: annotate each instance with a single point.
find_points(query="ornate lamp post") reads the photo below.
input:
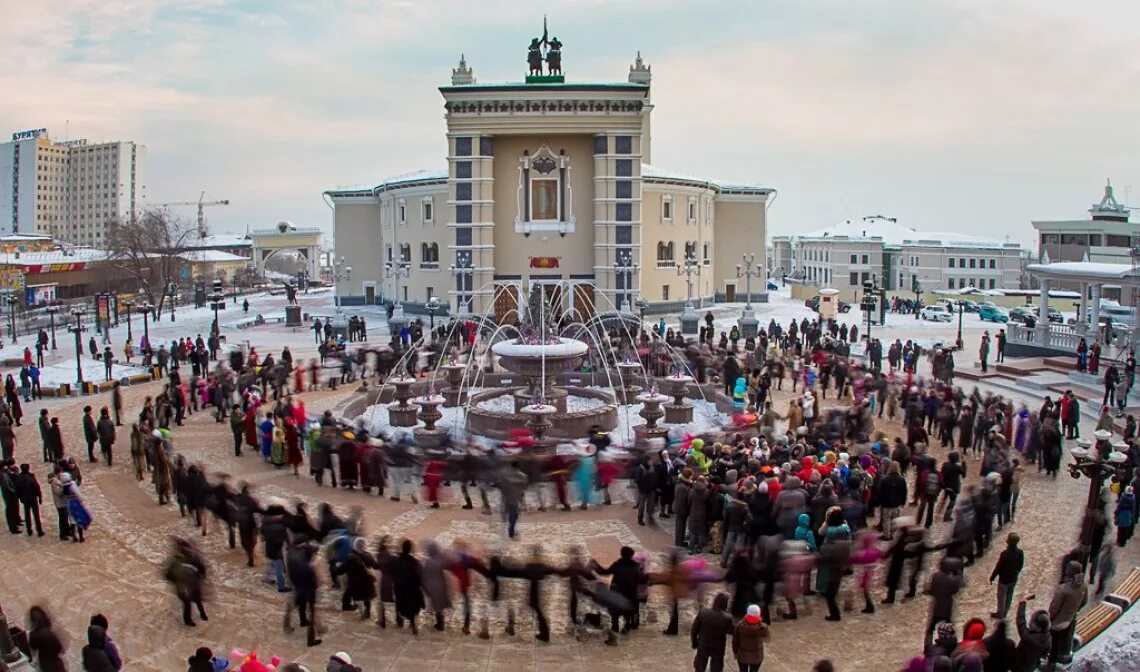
(78, 330)
(1099, 463)
(52, 310)
(432, 305)
(626, 268)
(10, 656)
(129, 305)
(217, 301)
(396, 270)
(689, 268)
(340, 272)
(147, 309)
(463, 272)
(748, 323)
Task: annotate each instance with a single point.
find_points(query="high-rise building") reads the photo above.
(69, 190)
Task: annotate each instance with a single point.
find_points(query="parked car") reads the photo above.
(1023, 315)
(772, 286)
(968, 305)
(813, 304)
(988, 312)
(1055, 315)
(936, 313)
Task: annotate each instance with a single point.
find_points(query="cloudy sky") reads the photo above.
(965, 115)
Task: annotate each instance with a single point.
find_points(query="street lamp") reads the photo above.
(12, 301)
(52, 310)
(626, 268)
(463, 272)
(960, 344)
(870, 292)
(396, 270)
(172, 293)
(432, 305)
(1098, 463)
(749, 325)
(217, 300)
(78, 330)
(147, 309)
(340, 272)
(689, 268)
(129, 305)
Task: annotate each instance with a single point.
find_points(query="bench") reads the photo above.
(1127, 592)
(1094, 621)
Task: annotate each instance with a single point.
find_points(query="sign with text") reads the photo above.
(27, 135)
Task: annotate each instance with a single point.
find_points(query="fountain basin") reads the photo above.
(490, 417)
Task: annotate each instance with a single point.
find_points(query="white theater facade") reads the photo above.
(548, 183)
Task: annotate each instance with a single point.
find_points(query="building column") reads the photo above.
(1094, 312)
(1084, 306)
(1043, 312)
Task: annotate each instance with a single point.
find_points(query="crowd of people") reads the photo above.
(783, 509)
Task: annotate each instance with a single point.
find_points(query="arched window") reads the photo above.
(690, 249)
(405, 252)
(429, 255)
(664, 253)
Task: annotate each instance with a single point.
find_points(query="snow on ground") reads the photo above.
(64, 372)
(1117, 648)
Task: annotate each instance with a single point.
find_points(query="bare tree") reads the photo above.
(146, 248)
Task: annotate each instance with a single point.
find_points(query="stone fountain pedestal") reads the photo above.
(454, 394)
(401, 413)
(627, 393)
(429, 437)
(555, 396)
(651, 411)
(538, 420)
(679, 412)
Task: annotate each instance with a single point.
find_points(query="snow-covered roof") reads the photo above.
(16, 237)
(893, 233)
(210, 256)
(402, 180)
(652, 173)
(219, 240)
(1083, 269)
(72, 256)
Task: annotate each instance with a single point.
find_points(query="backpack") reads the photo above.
(933, 482)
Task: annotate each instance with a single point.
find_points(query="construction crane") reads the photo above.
(202, 205)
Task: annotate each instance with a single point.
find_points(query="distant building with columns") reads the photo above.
(548, 183)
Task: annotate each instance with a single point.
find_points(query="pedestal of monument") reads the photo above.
(748, 324)
(689, 320)
(292, 316)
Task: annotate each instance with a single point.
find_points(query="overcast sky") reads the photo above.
(964, 115)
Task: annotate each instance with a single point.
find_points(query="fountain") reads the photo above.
(679, 412)
(540, 361)
(628, 371)
(651, 410)
(454, 394)
(538, 421)
(400, 413)
(429, 436)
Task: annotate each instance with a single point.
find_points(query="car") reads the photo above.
(935, 313)
(1023, 315)
(950, 305)
(1055, 315)
(988, 312)
(772, 286)
(968, 305)
(812, 304)
(844, 307)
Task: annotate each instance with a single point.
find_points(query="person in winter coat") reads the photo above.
(709, 634)
(1006, 571)
(90, 433)
(435, 583)
(944, 586)
(30, 495)
(407, 576)
(748, 640)
(274, 536)
(1033, 637)
(681, 496)
(1125, 516)
(1067, 600)
(698, 515)
(105, 429)
(385, 562)
(892, 498)
(359, 585)
(299, 565)
(95, 658)
(7, 439)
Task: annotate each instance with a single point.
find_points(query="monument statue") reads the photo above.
(554, 57)
(534, 56)
(290, 294)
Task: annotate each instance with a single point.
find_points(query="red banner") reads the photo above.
(544, 262)
(33, 269)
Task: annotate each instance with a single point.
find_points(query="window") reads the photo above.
(950, 262)
(972, 263)
(854, 259)
(463, 235)
(463, 169)
(544, 199)
(993, 264)
(961, 262)
(463, 146)
(665, 253)
(623, 144)
(623, 168)
(463, 191)
(623, 189)
(866, 277)
(950, 283)
(428, 210)
(429, 255)
(705, 254)
(430, 291)
(405, 252)
(991, 283)
(463, 214)
(854, 279)
(402, 212)
(667, 207)
(692, 209)
(866, 259)
(623, 235)
(1116, 240)
(664, 292)
(690, 250)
